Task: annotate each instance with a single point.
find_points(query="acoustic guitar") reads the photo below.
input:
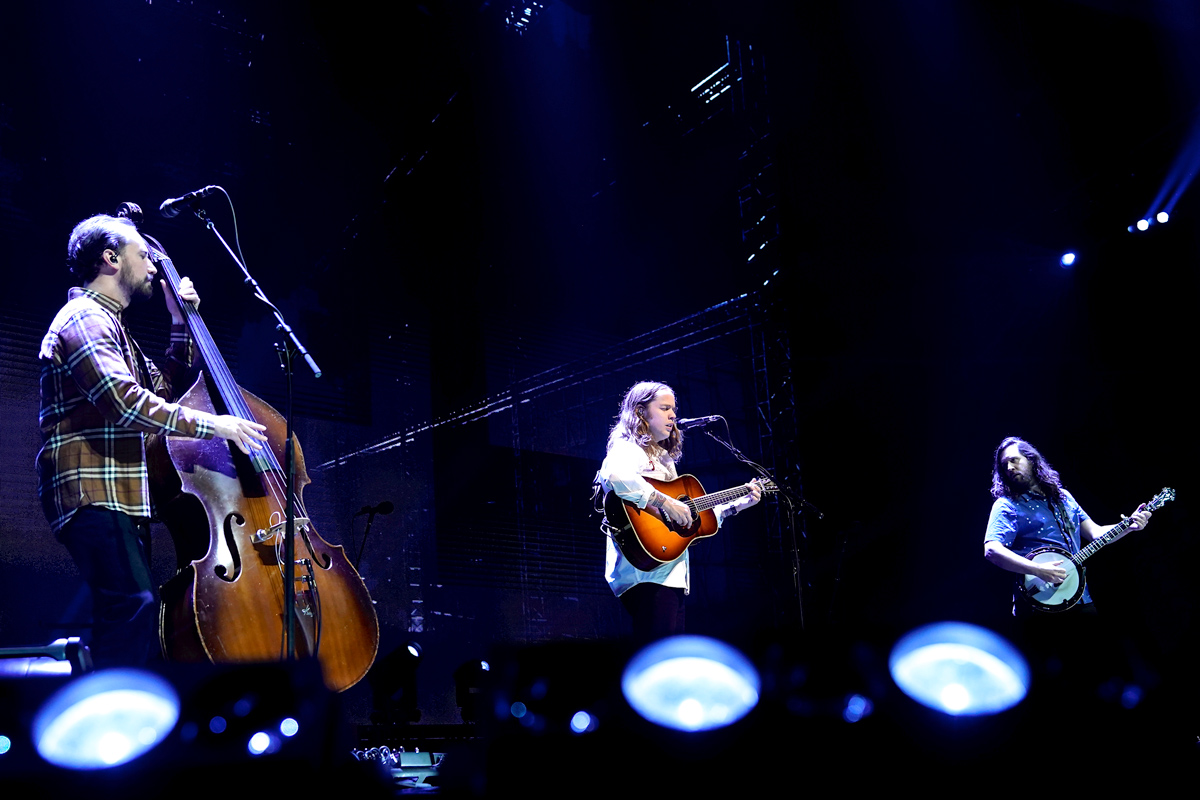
(648, 538)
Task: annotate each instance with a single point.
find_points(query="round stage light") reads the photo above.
(1067, 260)
(691, 683)
(105, 719)
(959, 669)
(1143, 224)
(1162, 216)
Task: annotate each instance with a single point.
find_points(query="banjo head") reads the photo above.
(1049, 597)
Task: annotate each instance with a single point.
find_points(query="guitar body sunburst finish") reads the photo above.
(646, 537)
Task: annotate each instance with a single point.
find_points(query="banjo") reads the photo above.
(1053, 598)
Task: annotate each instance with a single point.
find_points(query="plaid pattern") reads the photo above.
(95, 409)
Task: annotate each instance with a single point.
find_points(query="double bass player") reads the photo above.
(99, 397)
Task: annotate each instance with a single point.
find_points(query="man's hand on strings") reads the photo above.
(1141, 518)
(243, 433)
(187, 293)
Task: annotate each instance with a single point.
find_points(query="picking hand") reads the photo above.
(1052, 572)
(243, 433)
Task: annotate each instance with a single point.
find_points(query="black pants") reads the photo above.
(112, 551)
(657, 611)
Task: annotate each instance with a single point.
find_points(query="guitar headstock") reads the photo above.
(766, 484)
(1161, 499)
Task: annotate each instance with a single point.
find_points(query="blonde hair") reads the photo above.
(631, 423)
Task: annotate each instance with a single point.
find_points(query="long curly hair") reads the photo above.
(1043, 473)
(632, 426)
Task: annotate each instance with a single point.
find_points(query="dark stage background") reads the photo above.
(484, 237)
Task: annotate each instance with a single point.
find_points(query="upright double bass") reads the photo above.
(226, 513)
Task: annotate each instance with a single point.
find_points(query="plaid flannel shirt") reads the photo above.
(95, 409)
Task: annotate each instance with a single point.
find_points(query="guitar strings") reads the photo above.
(219, 371)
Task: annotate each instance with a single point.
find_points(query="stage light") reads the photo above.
(857, 707)
(1067, 260)
(1143, 224)
(583, 722)
(1162, 216)
(260, 743)
(959, 669)
(105, 719)
(691, 683)
(1131, 696)
(393, 681)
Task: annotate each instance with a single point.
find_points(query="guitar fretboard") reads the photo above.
(1085, 553)
(715, 499)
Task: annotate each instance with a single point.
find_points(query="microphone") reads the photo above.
(171, 208)
(386, 507)
(695, 422)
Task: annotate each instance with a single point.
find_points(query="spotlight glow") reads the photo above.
(1162, 216)
(259, 743)
(857, 707)
(691, 683)
(1067, 260)
(105, 719)
(1143, 224)
(583, 722)
(959, 669)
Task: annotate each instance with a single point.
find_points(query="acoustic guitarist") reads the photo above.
(646, 443)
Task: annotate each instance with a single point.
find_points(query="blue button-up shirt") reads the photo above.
(1026, 522)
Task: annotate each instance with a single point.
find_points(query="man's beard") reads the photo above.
(137, 291)
(1021, 482)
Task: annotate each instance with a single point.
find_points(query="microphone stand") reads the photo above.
(794, 501)
(288, 349)
(363, 546)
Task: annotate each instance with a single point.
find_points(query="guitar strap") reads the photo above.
(1065, 526)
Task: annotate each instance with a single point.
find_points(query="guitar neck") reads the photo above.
(710, 501)
(1094, 546)
(1157, 502)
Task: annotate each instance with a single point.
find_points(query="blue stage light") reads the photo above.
(259, 743)
(857, 707)
(1162, 216)
(959, 669)
(1067, 260)
(105, 719)
(1143, 224)
(691, 683)
(582, 722)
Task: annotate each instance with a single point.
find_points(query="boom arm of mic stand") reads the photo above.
(282, 325)
(794, 500)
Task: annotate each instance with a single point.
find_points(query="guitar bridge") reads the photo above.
(277, 529)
